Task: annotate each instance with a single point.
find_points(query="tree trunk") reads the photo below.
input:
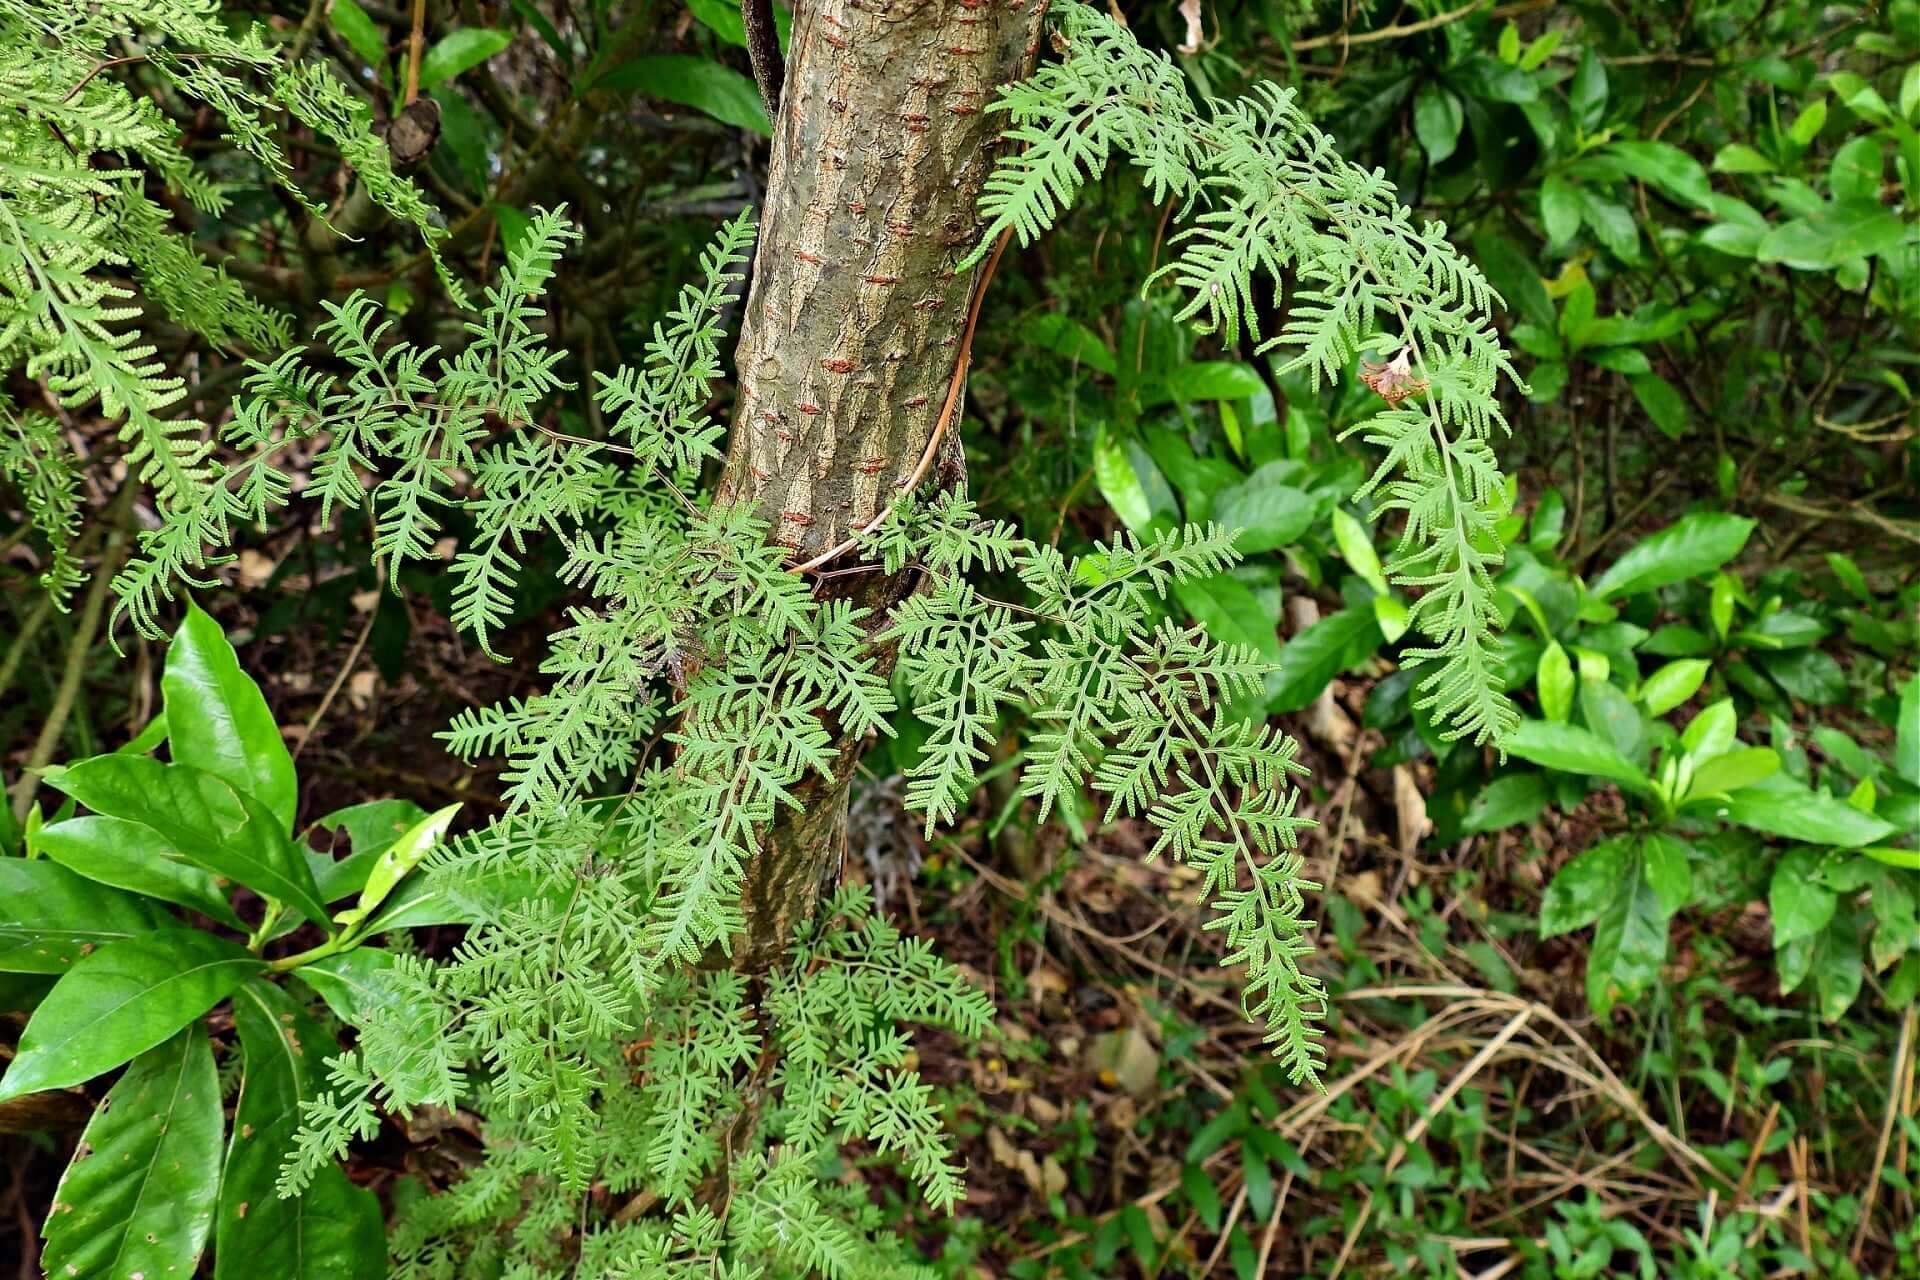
(854, 321)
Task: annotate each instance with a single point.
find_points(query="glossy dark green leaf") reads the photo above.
(1811, 675)
(1205, 380)
(1668, 865)
(1506, 802)
(459, 51)
(1799, 903)
(138, 1197)
(135, 857)
(1690, 546)
(331, 1230)
(1673, 684)
(690, 81)
(369, 829)
(1555, 682)
(1437, 120)
(1629, 946)
(1733, 770)
(1571, 749)
(218, 721)
(1781, 806)
(1067, 337)
(1587, 93)
(50, 917)
(226, 831)
(1665, 166)
(121, 1001)
(1663, 403)
(1586, 886)
(353, 983)
(1906, 747)
(433, 899)
(1314, 657)
(1834, 234)
(1266, 515)
(358, 30)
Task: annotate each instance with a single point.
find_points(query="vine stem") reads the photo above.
(947, 411)
(416, 44)
(73, 674)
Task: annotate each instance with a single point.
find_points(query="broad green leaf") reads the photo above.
(218, 721)
(1835, 234)
(431, 899)
(722, 18)
(1314, 657)
(357, 29)
(148, 739)
(121, 1001)
(1629, 946)
(225, 831)
(138, 1197)
(370, 829)
(1393, 616)
(1437, 120)
(1733, 771)
(1514, 274)
(1268, 515)
(1582, 889)
(1205, 380)
(1673, 684)
(400, 858)
(1612, 717)
(1556, 684)
(1663, 165)
(1808, 123)
(1855, 173)
(1780, 806)
(135, 857)
(50, 917)
(1738, 157)
(1356, 548)
(459, 51)
(1062, 334)
(1560, 209)
(1669, 872)
(1662, 402)
(330, 1230)
(1906, 748)
(1800, 905)
(1119, 483)
(1811, 675)
(1687, 548)
(700, 83)
(1506, 802)
(1571, 749)
(1587, 94)
(353, 983)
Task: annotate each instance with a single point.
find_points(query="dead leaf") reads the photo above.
(1190, 10)
(1410, 808)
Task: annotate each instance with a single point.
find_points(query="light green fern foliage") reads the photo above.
(693, 690)
(82, 243)
(1266, 199)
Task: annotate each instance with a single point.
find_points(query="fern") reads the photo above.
(1269, 199)
(75, 146)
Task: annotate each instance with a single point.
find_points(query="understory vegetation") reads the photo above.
(663, 640)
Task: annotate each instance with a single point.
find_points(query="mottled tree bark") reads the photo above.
(854, 321)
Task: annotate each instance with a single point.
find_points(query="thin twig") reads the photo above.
(73, 675)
